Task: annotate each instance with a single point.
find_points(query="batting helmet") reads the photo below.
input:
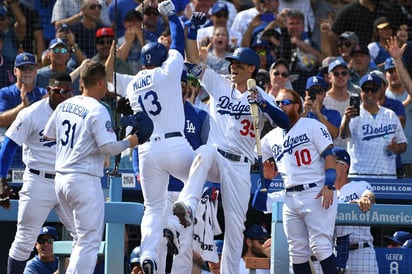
(407, 244)
(247, 56)
(153, 54)
(400, 237)
(135, 255)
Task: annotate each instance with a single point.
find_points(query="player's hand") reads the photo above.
(5, 193)
(141, 123)
(326, 195)
(255, 98)
(166, 8)
(198, 18)
(269, 171)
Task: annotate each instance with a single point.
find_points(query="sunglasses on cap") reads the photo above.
(44, 240)
(62, 91)
(285, 102)
(95, 6)
(283, 74)
(346, 44)
(370, 89)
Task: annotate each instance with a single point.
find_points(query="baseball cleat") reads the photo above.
(183, 212)
(172, 237)
(149, 267)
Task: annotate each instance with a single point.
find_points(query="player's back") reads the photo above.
(82, 126)
(158, 92)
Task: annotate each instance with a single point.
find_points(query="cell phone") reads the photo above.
(312, 94)
(267, 17)
(354, 101)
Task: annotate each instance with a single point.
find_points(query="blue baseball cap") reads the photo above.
(389, 64)
(218, 7)
(48, 230)
(370, 78)
(316, 81)
(57, 41)
(337, 63)
(341, 154)
(256, 232)
(400, 237)
(24, 58)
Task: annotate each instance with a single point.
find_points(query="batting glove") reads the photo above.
(5, 193)
(255, 98)
(197, 19)
(194, 69)
(123, 106)
(166, 8)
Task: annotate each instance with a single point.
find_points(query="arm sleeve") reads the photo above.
(177, 34)
(7, 151)
(276, 114)
(114, 148)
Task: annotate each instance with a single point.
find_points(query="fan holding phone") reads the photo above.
(313, 105)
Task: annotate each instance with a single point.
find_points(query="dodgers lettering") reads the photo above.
(227, 107)
(291, 142)
(142, 82)
(370, 132)
(75, 109)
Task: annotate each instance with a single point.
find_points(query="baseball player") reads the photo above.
(156, 90)
(229, 152)
(44, 262)
(83, 131)
(304, 158)
(38, 178)
(376, 135)
(354, 244)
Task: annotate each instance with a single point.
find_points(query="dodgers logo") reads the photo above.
(291, 142)
(277, 152)
(238, 109)
(369, 132)
(109, 127)
(47, 143)
(190, 128)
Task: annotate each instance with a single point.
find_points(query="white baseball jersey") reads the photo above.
(234, 135)
(299, 150)
(340, 106)
(361, 260)
(80, 125)
(350, 192)
(370, 135)
(27, 131)
(150, 91)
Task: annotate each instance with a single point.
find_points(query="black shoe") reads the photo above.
(149, 267)
(172, 237)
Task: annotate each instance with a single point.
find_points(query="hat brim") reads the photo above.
(393, 239)
(236, 58)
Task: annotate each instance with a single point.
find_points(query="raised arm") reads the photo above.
(396, 53)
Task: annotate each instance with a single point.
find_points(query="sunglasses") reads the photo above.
(149, 12)
(261, 241)
(221, 15)
(95, 6)
(316, 90)
(261, 52)
(27, 68)
(62, 91)
(340, 73)
(60, 50)
(104, 42)
(43, 240)
(346, 44)
(283, 74)
(370, 89)
(285, 102)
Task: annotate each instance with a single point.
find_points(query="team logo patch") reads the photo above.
(17, 124)
(109, 126)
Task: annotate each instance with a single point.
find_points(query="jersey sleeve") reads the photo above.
(122, 80)
(21, 128)
(50, 128)
(102, 127)
(321, 136)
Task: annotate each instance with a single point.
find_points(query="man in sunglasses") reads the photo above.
(38, 179)
(313, 106)
(58, 54)
(44, 262)
(254, 237)
(376, 135)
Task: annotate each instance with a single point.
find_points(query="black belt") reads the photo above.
(173, 134)
(231, 156)
(300, 187)
(46, 175)
(357, 246)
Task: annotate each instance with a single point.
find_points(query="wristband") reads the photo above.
(330, 176)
